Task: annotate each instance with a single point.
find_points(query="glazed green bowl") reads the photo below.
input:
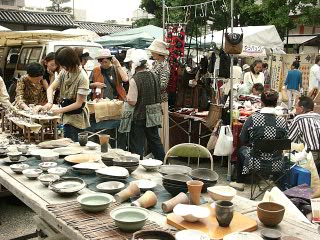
(95, 202)
(129, 219)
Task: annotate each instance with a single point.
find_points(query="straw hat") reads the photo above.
(129, 55)
(245, 67)
(138, 57)
(158, 46)
(104, 53)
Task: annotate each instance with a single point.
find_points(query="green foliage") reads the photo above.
(56, 6)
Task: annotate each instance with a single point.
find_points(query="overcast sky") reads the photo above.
(98, 10)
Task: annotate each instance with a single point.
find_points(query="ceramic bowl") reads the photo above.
(175, 189)
(270, 213)
(14, 156)
(204, 174)
(271, 234)
(49, 156)
(87, 167)
(191, 213)
(191, 235)
(152, 234)
(145, 185)
(60, 171)
(23, 149)
(67, 185)
(111, 187)
(171, 169)
(18, 168)
(92, 145)
(95, 202)
(151, 164)
(66, 151)
(82, 158)
(224, 193)
(32, 173)
(45, 179)
(179, 179)
(129, 219)
(114, 171)
(46, 165)
(37, 152)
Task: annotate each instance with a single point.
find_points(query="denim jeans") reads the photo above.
(139, 132)
(71, 132)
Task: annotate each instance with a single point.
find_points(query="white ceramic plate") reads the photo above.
(151, 164)
(82, 158)
(113, 171)
(145, 185)
(66, 151)
(191, 235)
(242, 236)
(88, 165)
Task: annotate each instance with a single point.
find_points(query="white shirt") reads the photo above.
(4, 96)
(237, 75)
(314, 78)
(251, 79)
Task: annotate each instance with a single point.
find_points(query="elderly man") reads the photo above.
(306, 127)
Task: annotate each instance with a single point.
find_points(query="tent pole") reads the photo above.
(163, 18)
(231, 92)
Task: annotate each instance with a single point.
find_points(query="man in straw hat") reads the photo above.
(161, 69)
(106, 79)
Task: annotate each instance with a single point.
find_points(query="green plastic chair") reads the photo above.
(189, 150)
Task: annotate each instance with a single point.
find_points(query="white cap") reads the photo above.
(129, 55)
(138, 56)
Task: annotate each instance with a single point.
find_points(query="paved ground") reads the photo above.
(17, 219)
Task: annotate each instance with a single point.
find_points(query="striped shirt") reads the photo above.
(306, 128)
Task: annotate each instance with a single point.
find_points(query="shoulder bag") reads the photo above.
(233, 42)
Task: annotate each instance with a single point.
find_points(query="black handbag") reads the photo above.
(66, 102)
(233, 42)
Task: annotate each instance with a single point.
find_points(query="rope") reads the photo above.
(192, 5)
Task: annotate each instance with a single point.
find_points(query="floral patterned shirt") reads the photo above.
(162, 71)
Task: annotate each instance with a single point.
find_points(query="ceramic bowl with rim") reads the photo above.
(242, 236)
(18, 168)
(204, 174)
(32, 173)
(191, 213)
(224, 193)
(46, 179)
(49, 156)
(191, 235)
(37, 152)
(111, 187)
(171, 169)
(14, 156)
(151, 164)
(23, 149)
(114, 172)
(153, 234)
(270, 213)
(82, 158)
(60, 171)
(67, 151)
(95, 202)
(67, 185)
(92, 145)
(129, 219)
(87, 167)
(145, 184)
(46, 165)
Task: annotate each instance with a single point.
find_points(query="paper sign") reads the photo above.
(315, 205)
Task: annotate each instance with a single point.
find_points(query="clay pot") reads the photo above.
(83, 138)
(170, 204)
(104, 142)
(270, 213)
(148, 199)
(125, 194)
(194, 188)
(224, 213)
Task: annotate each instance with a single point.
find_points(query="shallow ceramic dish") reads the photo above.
(113, 172)
(60, 171)
(152, 235)
(204, 174)
(66, 151)
(60, 143)
(23, 149)
(46, 165)
(225, 193)
(145, 185)
(14, 156)
(45, 179)
(37, 152)
(173, 190)
(242, 236)
(111, 187)
(87, 167)
(171, 169)
(270, 213)
(95, 202)
(191, 235)
(49, 156)
(271, 234)
(82, 158)
(151, 164)
(179, 179)
(8, 161)
(129, 219)
(18, 168)
(32, 173)
(92, 145)
(67, 185)
(191, 213)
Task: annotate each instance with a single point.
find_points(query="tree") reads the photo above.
(56, 6)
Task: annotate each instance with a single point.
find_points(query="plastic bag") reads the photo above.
(311, 166)
(224, 145)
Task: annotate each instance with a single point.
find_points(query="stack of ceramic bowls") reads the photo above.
(128, 162)
(175, 183)
(207, 176)
(107, 158)
(113, 173)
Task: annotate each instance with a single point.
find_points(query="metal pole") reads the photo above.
(163, 18)
(231, 92)
(73, 10)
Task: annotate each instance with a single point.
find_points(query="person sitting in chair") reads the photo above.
(260, 125)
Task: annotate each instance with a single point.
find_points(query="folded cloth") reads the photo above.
(302, 191)
(108, 110)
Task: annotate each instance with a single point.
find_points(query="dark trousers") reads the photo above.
(139, 132)
(242, 152)
(71, 132)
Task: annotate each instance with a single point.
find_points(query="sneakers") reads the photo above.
(237, 186)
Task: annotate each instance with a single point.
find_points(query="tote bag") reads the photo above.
(224, 145)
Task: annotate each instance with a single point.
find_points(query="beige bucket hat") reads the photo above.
(104, 53)
(160, 47)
